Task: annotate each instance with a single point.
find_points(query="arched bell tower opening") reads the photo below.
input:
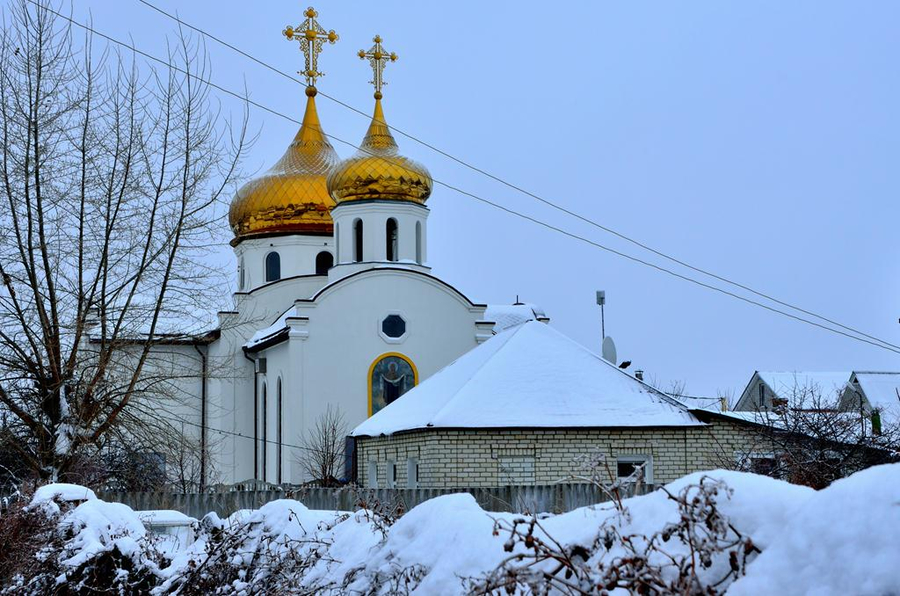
(273, 267)
(391, 239)
(324, 262)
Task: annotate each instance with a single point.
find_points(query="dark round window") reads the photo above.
(393, 326)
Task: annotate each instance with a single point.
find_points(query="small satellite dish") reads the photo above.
(609, 349)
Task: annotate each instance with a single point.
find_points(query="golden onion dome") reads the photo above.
(292, 196)
(378, 171)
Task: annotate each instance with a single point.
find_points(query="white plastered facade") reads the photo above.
(319, 336)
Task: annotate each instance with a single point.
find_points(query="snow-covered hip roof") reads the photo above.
(530, 376)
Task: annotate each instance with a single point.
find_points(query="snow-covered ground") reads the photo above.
(844, 539)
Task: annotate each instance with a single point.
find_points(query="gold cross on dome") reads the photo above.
(312, 36)
(378, 59)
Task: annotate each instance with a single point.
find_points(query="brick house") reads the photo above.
(523, 407)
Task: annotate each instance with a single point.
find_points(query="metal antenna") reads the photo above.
(601, 300)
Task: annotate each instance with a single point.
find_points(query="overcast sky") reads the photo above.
(757, 140)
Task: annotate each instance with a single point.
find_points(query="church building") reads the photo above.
(336, 304)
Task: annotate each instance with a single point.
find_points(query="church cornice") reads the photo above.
(375, 270)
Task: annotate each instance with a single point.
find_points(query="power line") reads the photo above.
(883, 345)
(524, 191)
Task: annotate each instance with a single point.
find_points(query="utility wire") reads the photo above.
(883, 345)
(243, 436)
(524, 191)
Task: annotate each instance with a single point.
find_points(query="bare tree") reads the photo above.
(810, 437)
(111, 180)
(322, 453)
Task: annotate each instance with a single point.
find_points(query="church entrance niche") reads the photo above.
(390, 376)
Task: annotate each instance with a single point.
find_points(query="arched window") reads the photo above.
(358, 240)
(337, 244)
(279, 432)
(324, 262)
(265, 428)
(390, 234)
(419, 242)
(242, 275)
(273, 266)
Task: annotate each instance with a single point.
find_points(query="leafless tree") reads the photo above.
(811, 437)
(322, 448)
(112, 176)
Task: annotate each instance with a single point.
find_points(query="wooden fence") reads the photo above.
(550, 498)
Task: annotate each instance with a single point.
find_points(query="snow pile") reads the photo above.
(844, 540)
(63, 492)
(785, 538)
(97, 526)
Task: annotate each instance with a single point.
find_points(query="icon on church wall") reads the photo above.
(392, 376)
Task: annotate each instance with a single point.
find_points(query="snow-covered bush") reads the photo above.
(699, 553)
(66, 541)
(700, 535)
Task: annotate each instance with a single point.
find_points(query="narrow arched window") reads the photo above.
(390, 234)
(279, 432)
(265, 428)
(242, 275)
(358, 240)
(324, 262)
(419, 242)
(337, 244)
(273, 266)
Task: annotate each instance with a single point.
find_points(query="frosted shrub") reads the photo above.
(701, 553)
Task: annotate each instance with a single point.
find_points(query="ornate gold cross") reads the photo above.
(378, 59)
(312, 36)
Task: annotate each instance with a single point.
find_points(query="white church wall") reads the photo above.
(231, 403)
(332, 364)
(411, 249)
(260, 307)
(298, 257)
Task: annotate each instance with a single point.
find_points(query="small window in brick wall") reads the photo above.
(372, 473)
(392, 474)
(412, 473)
(626, 466)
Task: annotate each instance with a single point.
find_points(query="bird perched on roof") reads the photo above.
(625, 364)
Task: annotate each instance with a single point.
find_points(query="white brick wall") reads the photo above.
(473, 458)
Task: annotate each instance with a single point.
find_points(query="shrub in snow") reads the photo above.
(699, 553)
(66, 541)
(267, 551)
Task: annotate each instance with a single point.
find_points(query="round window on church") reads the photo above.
(393, 326)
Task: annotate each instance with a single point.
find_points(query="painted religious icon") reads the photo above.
(392, 376)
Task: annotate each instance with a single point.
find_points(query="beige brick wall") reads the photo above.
(473, 458)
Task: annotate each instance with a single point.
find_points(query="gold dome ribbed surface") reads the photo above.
(293, 195)
(378, 171)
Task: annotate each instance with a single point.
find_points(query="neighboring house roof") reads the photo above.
(828, 385)
(882, 390)
(529, 376)
(505, 316)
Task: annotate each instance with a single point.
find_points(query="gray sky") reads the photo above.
(757, 140)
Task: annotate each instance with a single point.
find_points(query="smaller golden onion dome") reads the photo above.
(378, 171)
(292, 197)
